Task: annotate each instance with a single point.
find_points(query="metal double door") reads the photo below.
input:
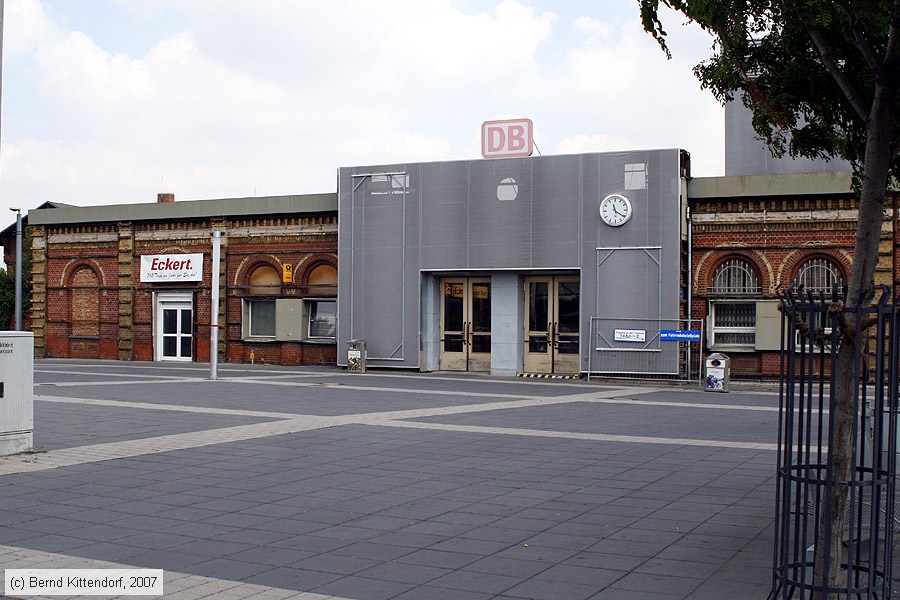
(552, 315)
(465, 324)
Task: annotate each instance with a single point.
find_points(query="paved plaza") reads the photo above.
(276, 482)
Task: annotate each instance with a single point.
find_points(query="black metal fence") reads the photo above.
(806, 506)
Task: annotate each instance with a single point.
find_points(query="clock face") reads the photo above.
(615, 210)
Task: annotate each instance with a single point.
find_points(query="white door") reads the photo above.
(174, 327)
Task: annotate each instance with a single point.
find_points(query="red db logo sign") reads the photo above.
(506, 139)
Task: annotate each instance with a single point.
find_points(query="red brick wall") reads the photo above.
(96, 306)
(792, 231)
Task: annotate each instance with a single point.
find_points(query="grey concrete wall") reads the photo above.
(747, 154)
(507, 318)
(430, 327)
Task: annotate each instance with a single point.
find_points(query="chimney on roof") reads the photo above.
(165, 197)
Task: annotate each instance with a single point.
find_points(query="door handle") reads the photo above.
(466, 333)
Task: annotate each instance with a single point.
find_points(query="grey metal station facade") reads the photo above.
(554, 264)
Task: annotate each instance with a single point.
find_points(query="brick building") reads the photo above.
(747, 237)
(753, 235)
(133, 282)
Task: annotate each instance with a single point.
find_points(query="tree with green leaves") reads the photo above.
(7, 299)
(822, 79)
(8, 283)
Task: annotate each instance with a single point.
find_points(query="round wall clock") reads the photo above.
(615, 210)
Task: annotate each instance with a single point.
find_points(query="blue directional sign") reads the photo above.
(679, 335)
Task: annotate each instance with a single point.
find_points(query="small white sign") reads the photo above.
(171, 267)
(630, 335)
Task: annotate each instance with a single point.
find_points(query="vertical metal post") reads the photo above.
(214, 305)
(18, 212)
(690, 284)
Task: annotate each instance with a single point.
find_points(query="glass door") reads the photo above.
(538, 325)
(465, 324)
(552, 324)
(175, 329)
(566, 324)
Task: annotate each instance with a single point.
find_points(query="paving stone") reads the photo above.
(362, 587)
(296, 485)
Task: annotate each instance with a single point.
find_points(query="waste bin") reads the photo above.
(16, 392)
(718, 373)
(356, 356)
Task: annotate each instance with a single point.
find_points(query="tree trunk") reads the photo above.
(861, 291)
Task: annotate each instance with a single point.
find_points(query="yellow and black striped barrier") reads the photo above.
(549, 376)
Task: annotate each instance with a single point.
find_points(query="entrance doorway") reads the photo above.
(174, 326)
(552, 318)
(465, 324)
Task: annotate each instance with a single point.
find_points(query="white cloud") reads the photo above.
(85, 81)
(26, 28)
(271, 96)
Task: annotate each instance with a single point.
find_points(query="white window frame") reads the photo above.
(310, 303)
(826, 334)
(714, 330)
(250, 334)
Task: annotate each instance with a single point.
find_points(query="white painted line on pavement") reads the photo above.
(594, 437)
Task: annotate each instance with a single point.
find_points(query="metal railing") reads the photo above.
(809, 494)
(645, 348)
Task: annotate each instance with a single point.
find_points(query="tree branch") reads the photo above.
(838, 74)
(890, 53)
(862, 43)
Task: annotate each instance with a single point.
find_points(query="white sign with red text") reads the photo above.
(171, 267)
(507, 139)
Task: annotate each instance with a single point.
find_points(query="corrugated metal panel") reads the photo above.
(522, 215)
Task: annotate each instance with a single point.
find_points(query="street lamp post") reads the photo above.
(18, 212)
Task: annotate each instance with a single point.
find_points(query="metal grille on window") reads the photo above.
(735, 276)
(735, 323)
(818, 275)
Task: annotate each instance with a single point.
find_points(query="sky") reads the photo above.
(114, 101)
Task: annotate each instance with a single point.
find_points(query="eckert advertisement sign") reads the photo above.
(172, 267)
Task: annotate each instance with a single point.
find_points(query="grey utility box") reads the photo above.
(356, 356)
(718, 373)
(16, 392)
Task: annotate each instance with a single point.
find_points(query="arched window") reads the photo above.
(85, 298)
(735, 276)
(819, 275)
(321, 284)
(264, 281)
(733, 315)
(322, 281)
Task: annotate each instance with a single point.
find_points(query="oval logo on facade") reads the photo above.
(507, 190)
